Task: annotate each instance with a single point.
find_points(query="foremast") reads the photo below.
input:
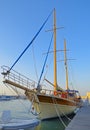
(55, 64)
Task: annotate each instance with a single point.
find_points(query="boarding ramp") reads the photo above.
(16, 79)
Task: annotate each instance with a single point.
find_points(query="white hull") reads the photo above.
(51, 110)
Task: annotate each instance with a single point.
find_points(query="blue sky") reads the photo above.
(21, 19)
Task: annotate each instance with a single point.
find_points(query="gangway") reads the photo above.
(16, 79)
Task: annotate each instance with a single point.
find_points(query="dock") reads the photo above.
(81, 121)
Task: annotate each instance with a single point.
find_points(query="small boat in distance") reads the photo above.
(4, 98)
(47, 103)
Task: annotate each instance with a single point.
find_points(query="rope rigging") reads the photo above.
(15, 90)
(34, 61)
(29, 110)
(38, 86)
(54, 101)
(57, 111)
(30, 42)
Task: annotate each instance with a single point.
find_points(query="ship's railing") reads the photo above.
(23, 81)
(46, 92)
(18, 78)
(54, 93)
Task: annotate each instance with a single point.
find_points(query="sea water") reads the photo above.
(20, 108)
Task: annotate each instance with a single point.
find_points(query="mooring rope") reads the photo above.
(58, 113)
(64, 113)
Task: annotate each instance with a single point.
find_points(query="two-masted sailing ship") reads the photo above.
(47, 103)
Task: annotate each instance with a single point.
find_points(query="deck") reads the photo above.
(82, 119)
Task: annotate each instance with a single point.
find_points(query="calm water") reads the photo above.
(20, 109)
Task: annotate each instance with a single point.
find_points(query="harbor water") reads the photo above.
(20, 108)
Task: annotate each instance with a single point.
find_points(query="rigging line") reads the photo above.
(63, 112)
(48, 67)
(31, 104)
(17, 94)
(71, 75)
(45, 74)
(14, 89)
(45, 61)
(30, 42)
(9, 88)
(65, 115)
(58, 113)
(34, 62)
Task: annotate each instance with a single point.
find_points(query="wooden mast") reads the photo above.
(55, 65)
(65, 59)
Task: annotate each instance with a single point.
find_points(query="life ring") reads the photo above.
(55, 93)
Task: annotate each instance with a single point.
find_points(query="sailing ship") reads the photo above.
(47, 103)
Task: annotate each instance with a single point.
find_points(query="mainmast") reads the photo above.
(65, 59)
(55, 64)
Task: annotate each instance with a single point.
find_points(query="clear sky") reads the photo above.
(19, 22)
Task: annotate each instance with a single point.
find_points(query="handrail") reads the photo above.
(18, 78)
